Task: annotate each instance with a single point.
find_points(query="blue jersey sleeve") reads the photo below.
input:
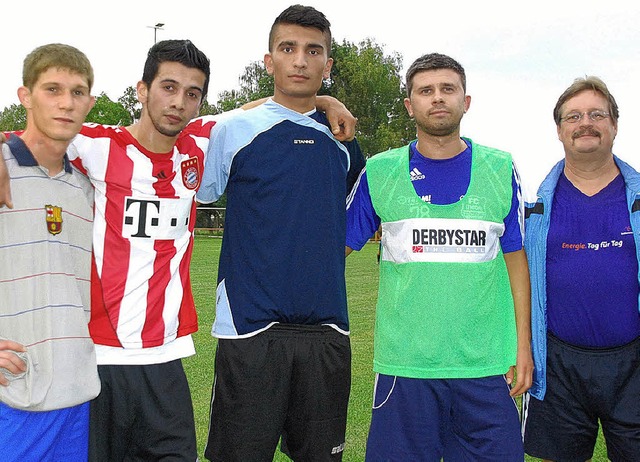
(356, 163)
(362, 220)
(513, 237)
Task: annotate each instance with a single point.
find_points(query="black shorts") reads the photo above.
(584, 386)
(289, 381)
(143, 413)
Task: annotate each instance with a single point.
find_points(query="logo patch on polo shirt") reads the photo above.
(54, 218)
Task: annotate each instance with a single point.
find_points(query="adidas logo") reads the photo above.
(416, 174)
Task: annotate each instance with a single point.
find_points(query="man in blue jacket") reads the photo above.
(582, 242)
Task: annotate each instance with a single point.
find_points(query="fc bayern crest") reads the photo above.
(54, 218)
(190, 173)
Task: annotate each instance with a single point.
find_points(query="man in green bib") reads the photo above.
(452, 336)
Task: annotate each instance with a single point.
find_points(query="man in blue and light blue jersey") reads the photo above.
(283, 221)
(452, 318)
(283, 359)
(582, 240)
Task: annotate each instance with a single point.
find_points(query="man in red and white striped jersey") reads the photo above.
(145, 177)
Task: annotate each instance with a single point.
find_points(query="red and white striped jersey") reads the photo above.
(143, 234)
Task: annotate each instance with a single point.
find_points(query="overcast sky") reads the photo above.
(519, 56)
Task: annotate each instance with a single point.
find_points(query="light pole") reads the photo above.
(155, 30)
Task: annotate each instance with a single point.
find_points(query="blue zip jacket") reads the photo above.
(538, 216)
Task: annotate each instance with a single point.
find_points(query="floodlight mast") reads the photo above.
(155, 31)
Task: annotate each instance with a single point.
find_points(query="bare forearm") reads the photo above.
(5, 190)
(521, 291)
(343, 123)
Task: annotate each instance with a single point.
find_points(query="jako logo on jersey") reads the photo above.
(54, 218)
(304, 141)
(190, 173)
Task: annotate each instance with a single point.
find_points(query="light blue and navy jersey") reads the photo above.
(437, 182)
(282, 257)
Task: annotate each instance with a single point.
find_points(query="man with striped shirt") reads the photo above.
(143, 314)
(48, 370)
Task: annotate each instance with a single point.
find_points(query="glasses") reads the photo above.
(595, 115)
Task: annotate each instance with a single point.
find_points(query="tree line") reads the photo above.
(363, 77)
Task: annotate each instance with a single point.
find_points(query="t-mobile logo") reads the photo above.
(157, 218)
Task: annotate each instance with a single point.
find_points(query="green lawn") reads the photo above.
(362, 285)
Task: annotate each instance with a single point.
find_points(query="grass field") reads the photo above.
(362, 286)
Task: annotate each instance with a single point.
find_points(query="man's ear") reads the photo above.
(407, 105)
(24, 95)
(268, 63)
(93, 102)
(327, 69)
(142, 91)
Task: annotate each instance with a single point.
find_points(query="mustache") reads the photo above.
(585, 131)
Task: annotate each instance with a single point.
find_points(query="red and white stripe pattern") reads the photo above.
(143, 233)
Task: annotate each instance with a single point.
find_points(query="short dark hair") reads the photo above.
(432, 62)
(589, 82)
(177, 51)
(305, 16)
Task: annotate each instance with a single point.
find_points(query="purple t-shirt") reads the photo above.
(436, 181)
(592, 270)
